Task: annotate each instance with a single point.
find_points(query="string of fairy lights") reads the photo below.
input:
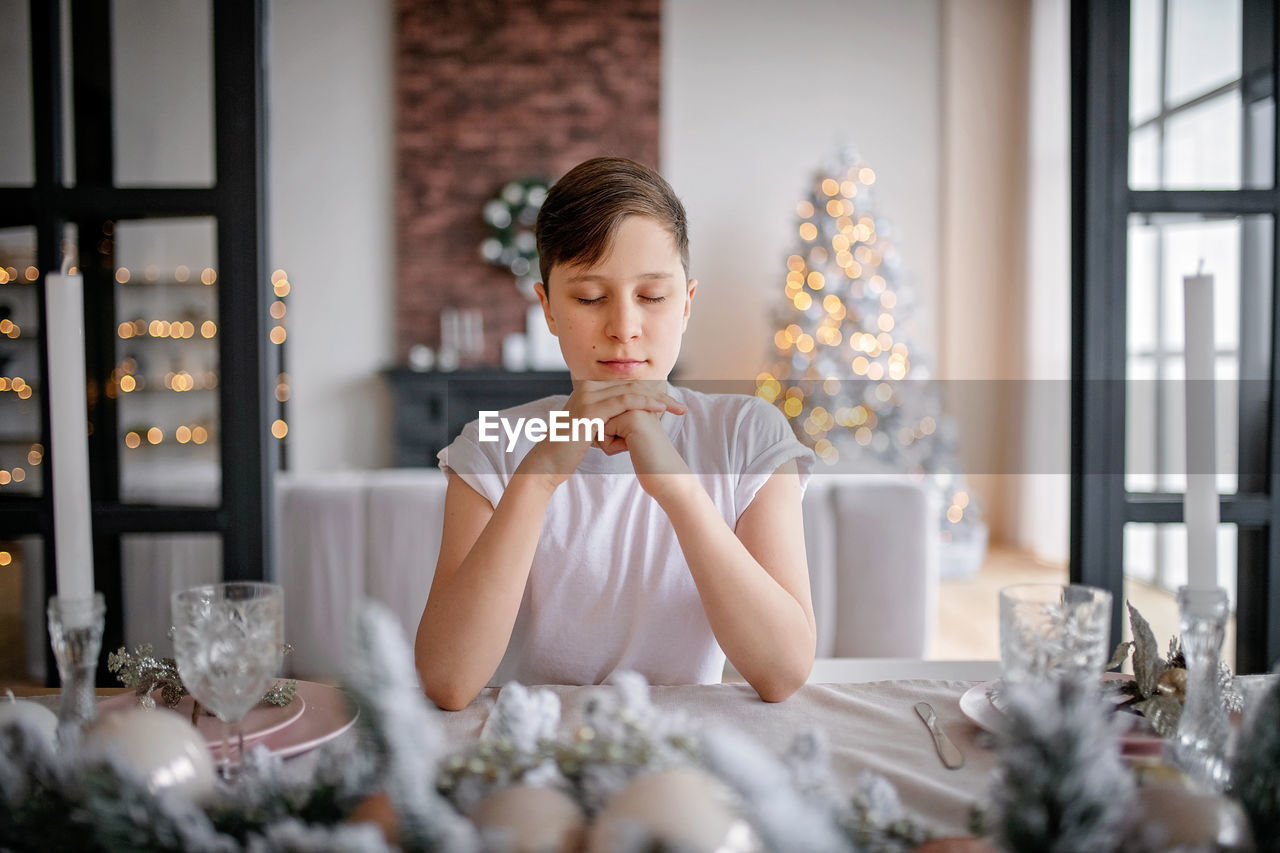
(127, 379)
(842, 354)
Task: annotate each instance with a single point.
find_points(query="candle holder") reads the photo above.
(75, 631)
(1200, 745)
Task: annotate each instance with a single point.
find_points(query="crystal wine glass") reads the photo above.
(227, 644)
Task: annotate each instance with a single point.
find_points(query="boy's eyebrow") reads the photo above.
(589, 276)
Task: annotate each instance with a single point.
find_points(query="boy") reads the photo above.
(662, 542)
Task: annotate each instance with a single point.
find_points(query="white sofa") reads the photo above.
(872, 546)
(871, 542)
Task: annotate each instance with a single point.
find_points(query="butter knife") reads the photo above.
(950, 754)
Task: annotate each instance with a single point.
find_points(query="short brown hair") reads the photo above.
(583, 210)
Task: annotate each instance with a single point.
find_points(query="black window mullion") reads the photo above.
(1258, 548)
(94, 143)
(1099, 165)
(1258, 620)
(46, 51)
(248, 460)
(1256, 359)
(1209, 202)
(47, 115)
(1251, 510)
(157, 518)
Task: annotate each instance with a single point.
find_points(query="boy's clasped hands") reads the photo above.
(631, 410)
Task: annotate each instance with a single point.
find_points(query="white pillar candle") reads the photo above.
(1200, 507)
(68, 427)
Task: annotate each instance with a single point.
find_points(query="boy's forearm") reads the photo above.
(761, 627)
(468, 620)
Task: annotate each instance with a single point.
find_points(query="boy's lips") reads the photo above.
(622, 365)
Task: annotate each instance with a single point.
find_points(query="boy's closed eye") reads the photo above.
(600, 299)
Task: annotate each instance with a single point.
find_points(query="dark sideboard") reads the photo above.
(431, 407)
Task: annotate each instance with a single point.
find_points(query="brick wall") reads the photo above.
(493, 90)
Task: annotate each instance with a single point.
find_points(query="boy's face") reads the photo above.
(622, 318)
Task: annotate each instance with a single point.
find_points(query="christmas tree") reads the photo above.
(845, 371)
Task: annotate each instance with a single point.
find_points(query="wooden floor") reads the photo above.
(968, 622)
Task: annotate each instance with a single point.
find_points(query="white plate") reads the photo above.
(976, 704)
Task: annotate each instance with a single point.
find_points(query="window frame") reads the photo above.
(1102, 202)
(248, 454)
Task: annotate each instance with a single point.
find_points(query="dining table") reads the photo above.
(867, 717)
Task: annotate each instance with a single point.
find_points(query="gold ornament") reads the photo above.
(1173, 682)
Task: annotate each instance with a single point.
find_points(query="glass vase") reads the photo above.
(75, 631)
(1200, 745)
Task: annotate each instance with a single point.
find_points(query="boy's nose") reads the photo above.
(624, 323)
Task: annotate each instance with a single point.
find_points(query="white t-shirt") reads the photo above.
(609, 588)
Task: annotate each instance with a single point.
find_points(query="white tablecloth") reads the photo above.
(870, 726)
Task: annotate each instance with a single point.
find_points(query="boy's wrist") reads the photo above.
(536, 481)
(674, 492)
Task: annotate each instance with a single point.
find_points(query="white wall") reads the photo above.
(755, 98)
(1044, 508)
(331, 169)
(983, 184)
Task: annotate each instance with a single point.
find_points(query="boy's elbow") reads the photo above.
(452, 700)
(778, 689)
(446, 693)
(781, 683)
(443, 687)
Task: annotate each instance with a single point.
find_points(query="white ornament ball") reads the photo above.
(159, 745)
(35, 715)
(531, 819)
(1187, 819)
(683, 806)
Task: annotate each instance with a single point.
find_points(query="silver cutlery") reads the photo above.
(950, 754)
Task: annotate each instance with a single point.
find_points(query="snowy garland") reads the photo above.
(1256, 773)
(1061, 784)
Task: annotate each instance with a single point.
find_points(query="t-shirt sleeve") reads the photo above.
(767, 442)
(466, 458)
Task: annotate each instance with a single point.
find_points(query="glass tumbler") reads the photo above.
(1050, 632)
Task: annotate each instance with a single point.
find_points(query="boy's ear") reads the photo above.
(688, 302)
(541, 290)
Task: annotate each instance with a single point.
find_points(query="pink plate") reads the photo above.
(328, 714)
(976, 704)
(262, 719)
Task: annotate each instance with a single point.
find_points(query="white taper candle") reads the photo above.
(1200, 508)
(68, 422)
